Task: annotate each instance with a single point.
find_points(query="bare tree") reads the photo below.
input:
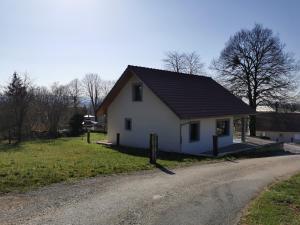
(192, 63)
(75, 92)
(183, 62)
(52, 107)
(255, 67)
(106, 86)
(92, 85)
(174, 61)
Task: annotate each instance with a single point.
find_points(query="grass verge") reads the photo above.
(279, 204)
(38, 163)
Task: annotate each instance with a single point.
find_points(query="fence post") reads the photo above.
(118, 139)
(215, 145)
(153, 145)
(88, 136)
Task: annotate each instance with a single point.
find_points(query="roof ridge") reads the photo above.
(169, 71)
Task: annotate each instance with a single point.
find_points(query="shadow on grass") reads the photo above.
(170, 156)
(178, 157)
(10, 147)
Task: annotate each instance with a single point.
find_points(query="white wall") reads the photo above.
(148, 116)
(280, 136)
(207, 130)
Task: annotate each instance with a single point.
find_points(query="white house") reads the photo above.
(185, 111)
(279, 126)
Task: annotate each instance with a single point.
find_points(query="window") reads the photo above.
(223, 127)
(194, 132)
(137, 92)
(128, 124)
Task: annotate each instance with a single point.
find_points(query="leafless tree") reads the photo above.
(174, 61)
(75, 92)
(255, 67)
(53, 107)
(92, 86)
(192, 63)
(183, 62)
(106, 86)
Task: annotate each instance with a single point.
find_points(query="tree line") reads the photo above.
(28, 110)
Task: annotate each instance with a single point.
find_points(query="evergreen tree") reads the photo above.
(18, 97)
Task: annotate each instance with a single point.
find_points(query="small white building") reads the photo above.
(283, 127)
(185, 111)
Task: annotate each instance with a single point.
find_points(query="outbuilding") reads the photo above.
(283, 127)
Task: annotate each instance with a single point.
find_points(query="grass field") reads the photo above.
(37, 163)
(280, 204)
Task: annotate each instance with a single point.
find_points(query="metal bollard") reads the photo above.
(88, 136)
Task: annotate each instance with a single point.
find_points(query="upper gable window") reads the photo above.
(137, 92)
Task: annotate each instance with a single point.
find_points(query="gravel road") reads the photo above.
(201, 194)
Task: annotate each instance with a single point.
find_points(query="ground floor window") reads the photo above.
(194, 132)
(128, 124)
(223, 127)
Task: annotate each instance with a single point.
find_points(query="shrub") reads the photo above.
(75, 124)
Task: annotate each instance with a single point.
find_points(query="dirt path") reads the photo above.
(203, 194)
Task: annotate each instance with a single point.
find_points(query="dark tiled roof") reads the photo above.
(282, 122)
(188, 96)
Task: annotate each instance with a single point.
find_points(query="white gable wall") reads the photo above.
(207, 130)
(148, 116)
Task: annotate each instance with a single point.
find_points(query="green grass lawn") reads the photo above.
(280, 204)
(37, 163)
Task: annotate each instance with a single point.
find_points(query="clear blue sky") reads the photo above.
(59, 40)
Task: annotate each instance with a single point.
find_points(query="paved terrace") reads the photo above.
(251, 143)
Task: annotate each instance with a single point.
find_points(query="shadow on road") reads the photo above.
(258, 153)
(164, 169)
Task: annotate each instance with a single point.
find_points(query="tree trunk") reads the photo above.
(19, 133)
(95, 114)
(252, 125)
(9, 136)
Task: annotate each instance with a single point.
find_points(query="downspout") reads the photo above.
(180, 133)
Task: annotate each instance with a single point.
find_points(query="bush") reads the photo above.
(75, 124)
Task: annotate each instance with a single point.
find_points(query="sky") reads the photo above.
(60, 40)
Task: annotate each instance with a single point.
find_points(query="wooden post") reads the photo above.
(215, 145)
(88, 136)
(153, 146)
(118, 139)
(243, 131)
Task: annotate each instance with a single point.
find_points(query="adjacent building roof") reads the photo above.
(188, 96)
(279, 122)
